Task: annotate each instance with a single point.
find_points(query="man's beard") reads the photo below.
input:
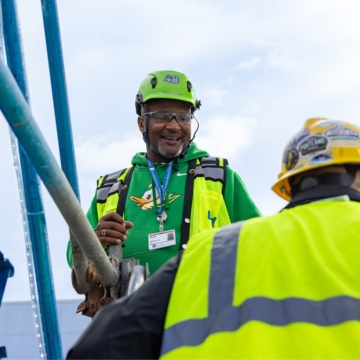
(169, 154)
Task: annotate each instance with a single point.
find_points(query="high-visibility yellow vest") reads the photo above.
(285, 286)
(204, 193)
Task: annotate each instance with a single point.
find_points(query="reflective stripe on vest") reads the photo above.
(108, 192)
(192, 335)
(211, 168)
(207, 208)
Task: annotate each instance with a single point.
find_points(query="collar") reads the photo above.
(323, 193)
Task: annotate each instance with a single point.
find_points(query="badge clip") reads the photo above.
(161, 218)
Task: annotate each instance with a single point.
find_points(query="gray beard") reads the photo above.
(169, 154)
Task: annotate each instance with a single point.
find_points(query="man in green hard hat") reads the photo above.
(174, 189)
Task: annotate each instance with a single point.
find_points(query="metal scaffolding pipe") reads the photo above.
(34, 210)
(63, 120)
(23, 124)
(59, 92)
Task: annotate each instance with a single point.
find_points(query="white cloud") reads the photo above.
(227, 136)
(248, 64)
(215, 96)
(106, 153)
(284, 62)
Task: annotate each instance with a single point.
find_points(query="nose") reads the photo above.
(173, 123)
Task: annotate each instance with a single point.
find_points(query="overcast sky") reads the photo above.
(260, 68)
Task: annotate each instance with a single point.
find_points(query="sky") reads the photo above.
(260, 69)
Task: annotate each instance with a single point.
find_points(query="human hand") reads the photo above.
(112, 229)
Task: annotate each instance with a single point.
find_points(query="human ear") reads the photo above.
(141, 124)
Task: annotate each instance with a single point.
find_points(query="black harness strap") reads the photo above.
(224, 182)
(189, 190)
(123, 190)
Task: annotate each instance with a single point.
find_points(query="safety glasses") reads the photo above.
(163, 117)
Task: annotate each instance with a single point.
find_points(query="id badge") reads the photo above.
(161, 239)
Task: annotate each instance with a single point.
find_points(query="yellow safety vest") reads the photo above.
(285, 286)
(205, 187)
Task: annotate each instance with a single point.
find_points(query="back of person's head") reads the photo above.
(324, 153)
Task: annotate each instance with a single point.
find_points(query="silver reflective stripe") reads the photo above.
(116, 187)
(209, 159)
(221, 288)
(214, 173)
(114, 176)
(332, 311)
(102, 193)
(223, 316)
(199, 171)
(222, 278)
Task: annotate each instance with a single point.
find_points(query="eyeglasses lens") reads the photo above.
(164, 116)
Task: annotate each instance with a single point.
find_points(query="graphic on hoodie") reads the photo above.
(146, 200)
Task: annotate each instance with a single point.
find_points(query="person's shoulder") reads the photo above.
(214, 160)
(260, 224)
(114, 176)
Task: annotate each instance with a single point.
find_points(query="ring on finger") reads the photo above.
(103, 232)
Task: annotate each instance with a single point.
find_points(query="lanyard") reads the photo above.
(161, 189)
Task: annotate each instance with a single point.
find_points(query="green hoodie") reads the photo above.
(139, 207)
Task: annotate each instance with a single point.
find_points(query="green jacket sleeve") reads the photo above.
(237, 199)
(92, 216)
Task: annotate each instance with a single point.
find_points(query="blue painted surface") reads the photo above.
(59, 92)
(36, 217)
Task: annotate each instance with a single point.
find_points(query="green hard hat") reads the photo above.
(166, 84)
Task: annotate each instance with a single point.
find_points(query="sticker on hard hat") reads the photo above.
(327, 123)
(341, 133)
(172, 79)
(299, 137)
(313, 144)
(291, 158)
(320, 159)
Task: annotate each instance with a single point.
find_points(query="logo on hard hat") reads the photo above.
(320, 159)
(172, 79)
(291, 158)
(313, 144)
(341, 133)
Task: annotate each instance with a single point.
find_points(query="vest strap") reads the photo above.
(225, 163)
(124, 190)
(211, 168)
(105, 186)
(189, 190)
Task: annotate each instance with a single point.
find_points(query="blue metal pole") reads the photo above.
(35, 210)
(23, 124)
(59, 91)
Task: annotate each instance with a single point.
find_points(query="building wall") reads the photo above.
(17, 331)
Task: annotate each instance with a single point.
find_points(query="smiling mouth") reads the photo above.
(171, 138)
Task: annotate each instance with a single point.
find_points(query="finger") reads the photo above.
(128, 224)
(106, 241)
(111, 237)
(112, 217)
(113, 234)
(110, 225)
